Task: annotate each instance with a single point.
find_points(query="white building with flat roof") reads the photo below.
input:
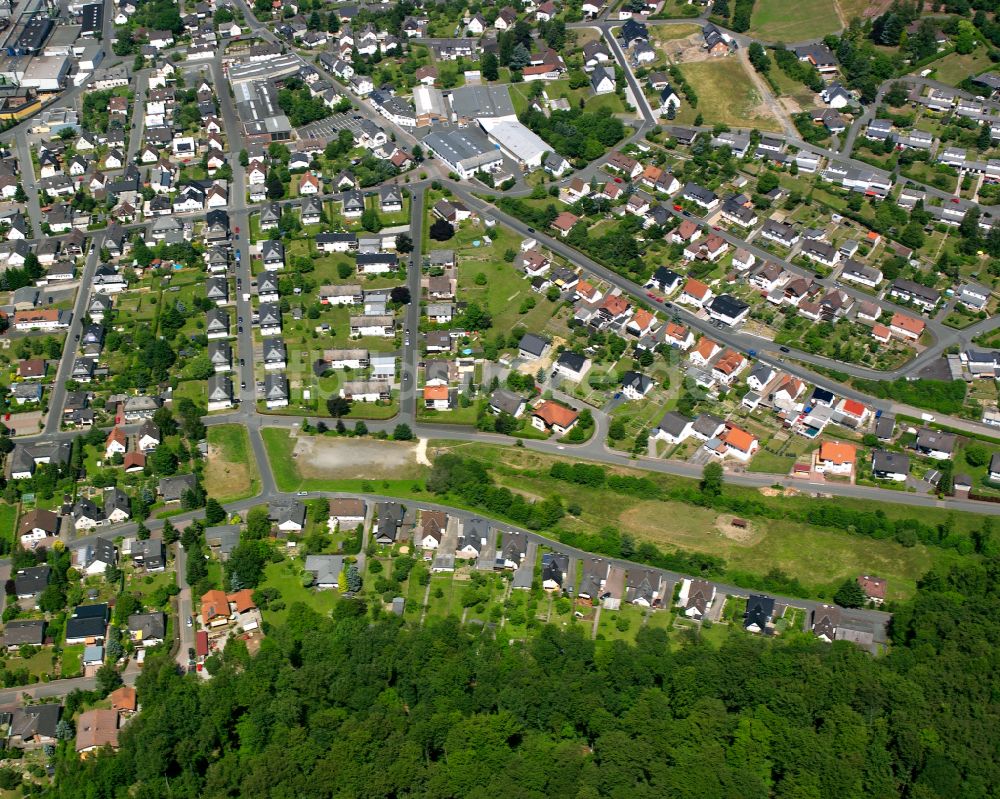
(516, 141)
(46, 73)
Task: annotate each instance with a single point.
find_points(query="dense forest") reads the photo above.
(361, 704)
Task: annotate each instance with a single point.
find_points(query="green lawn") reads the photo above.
(621, 624)
(771, 463)
(954, 68)
(444, 597)
(507, 294)
(287, 578)
(781, 21)
(72, 660)
(231, 471)
(39, 664)
(8, 518)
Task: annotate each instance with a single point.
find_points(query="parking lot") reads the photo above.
(328, 128)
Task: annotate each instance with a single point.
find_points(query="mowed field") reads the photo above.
(814, 556)
(819, 557)
(230, 470)
(954, 68)
(726, 95)
(781, 21)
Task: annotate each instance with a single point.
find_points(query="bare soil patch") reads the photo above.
(543, 363)
(225, 478)
(741, 535)
(767, 491)
(320, 457)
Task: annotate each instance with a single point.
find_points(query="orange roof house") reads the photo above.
(705, 350)
(432, 393)
(242, 600)
(642, 321)
(555, 415)
(740, 440)
(881, 333)
(837, 453)
(907, 326)
(116, 436)
(214, 605)
(695, 288)
(614, 305)
(676, 331)
(651, 174)
(124, 699)
(585, 289)
(729, 363)
(564, 222)
(853, 407)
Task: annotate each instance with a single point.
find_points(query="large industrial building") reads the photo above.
(465, 151)
(516, 141)
(469, 103)
(259, 112)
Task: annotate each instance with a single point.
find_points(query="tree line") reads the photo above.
(358, 703)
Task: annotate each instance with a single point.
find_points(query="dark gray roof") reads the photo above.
(890, 462)
(19, 633)
(673, 423)
(533, 343)
(32, 580)
(572, 360)
(506, 401)
(35, 720)
(287, 511)
(928, 439)
(172, 488)
(151, 625)
(759, 611)
(706, 424)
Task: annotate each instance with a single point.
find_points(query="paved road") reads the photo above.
(28, 183)
(185, 605)
(138, 112)
(57, 398)
(411, 335)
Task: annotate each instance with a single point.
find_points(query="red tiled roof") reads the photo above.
(552, 413)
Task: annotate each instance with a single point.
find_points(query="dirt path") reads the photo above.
(421, 453)
(423, 611)
(767, 97)
(840, 14)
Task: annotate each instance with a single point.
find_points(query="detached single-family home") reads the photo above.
(551, 416)
(890, 465)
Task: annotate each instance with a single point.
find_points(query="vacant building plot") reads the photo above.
(781, 21)
(337, 458)
(726, 95)
(230, 470)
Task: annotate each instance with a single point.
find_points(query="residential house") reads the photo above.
(550, 416)
(890, 465)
